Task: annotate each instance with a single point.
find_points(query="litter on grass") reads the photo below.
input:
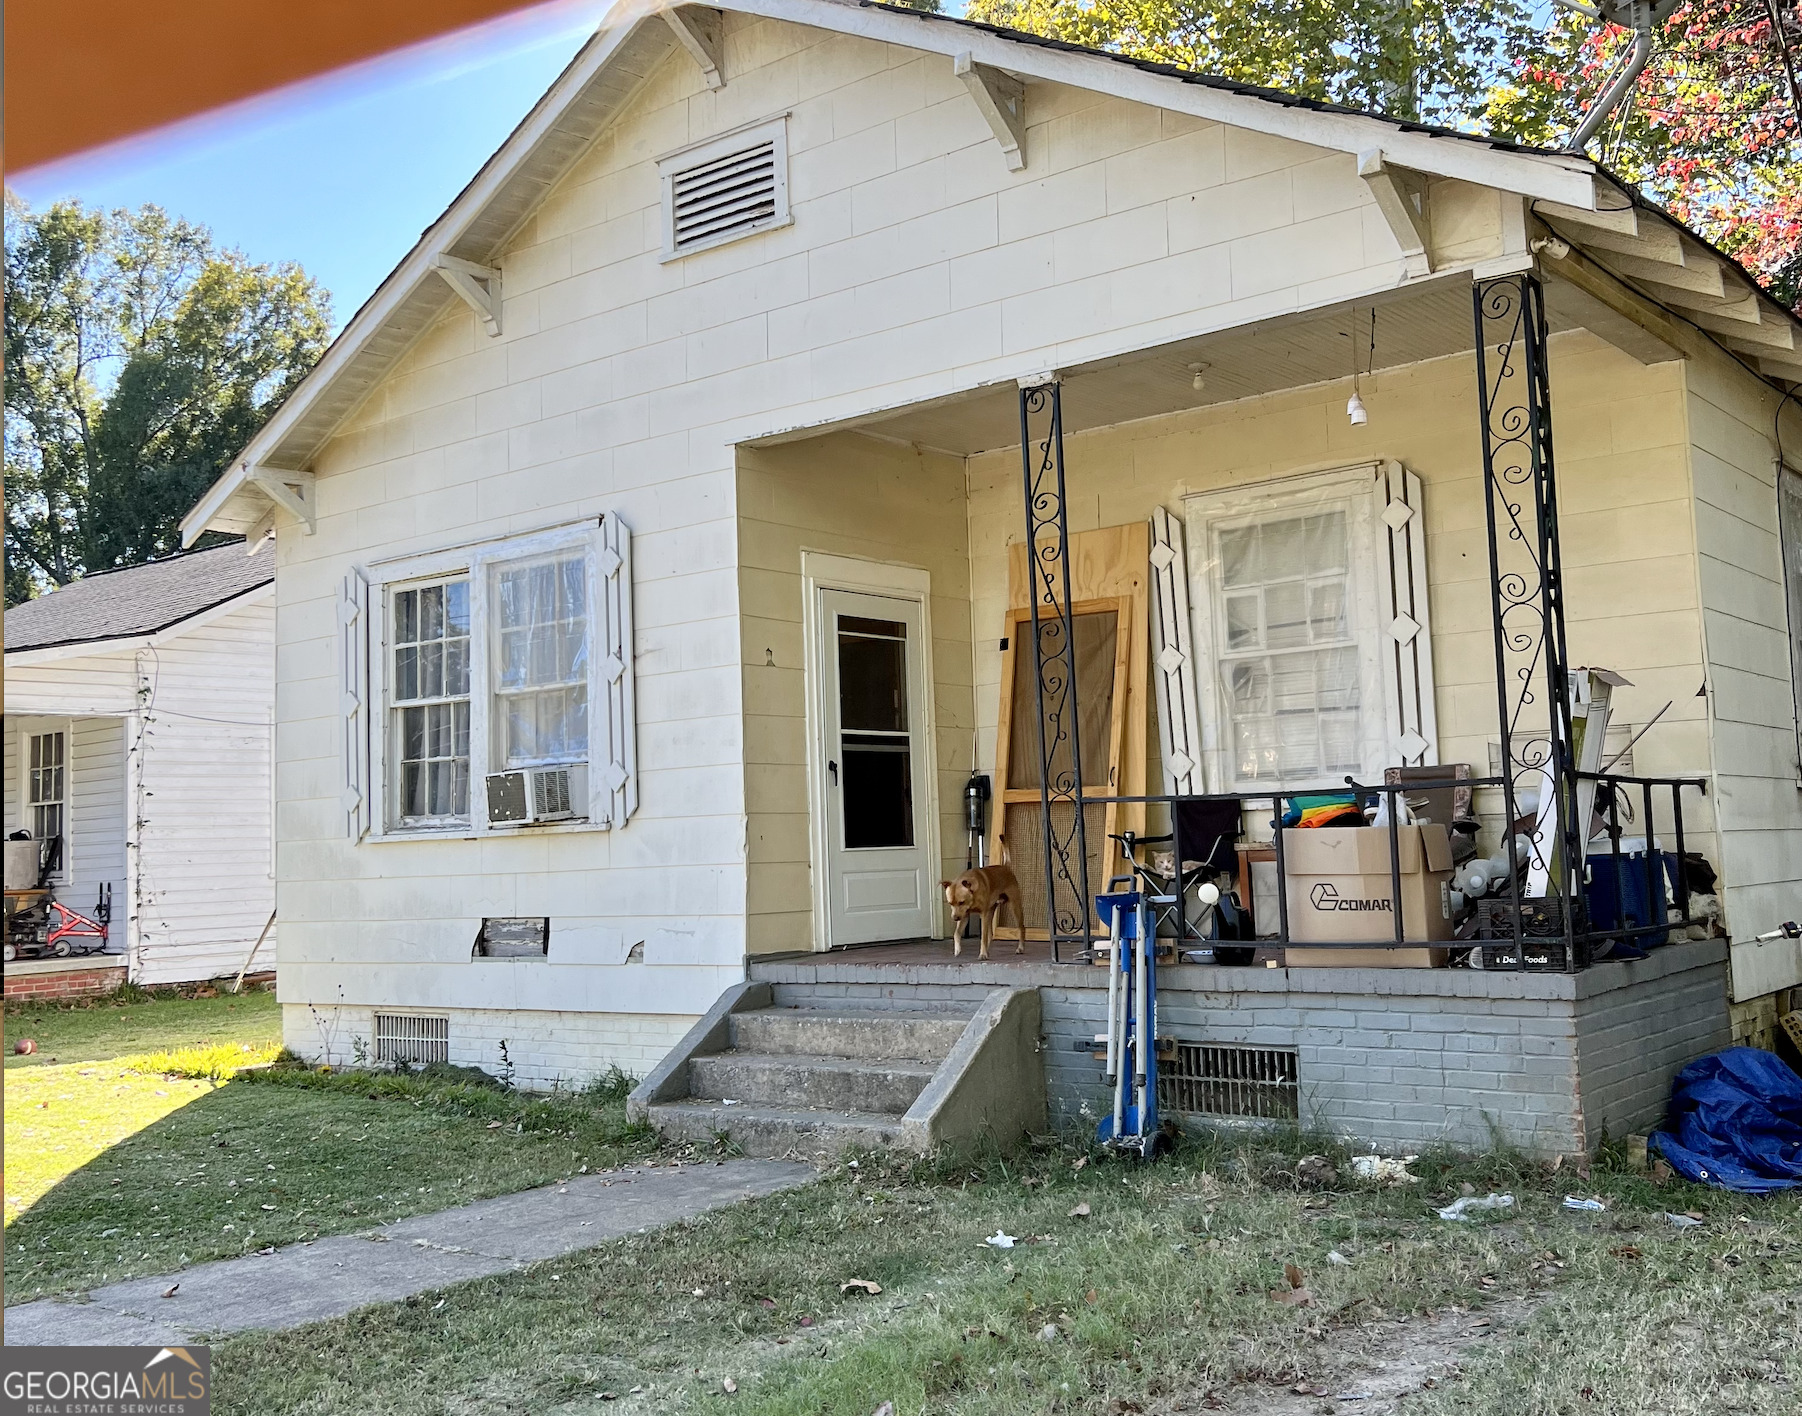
(1390, 1172)
(1681, 1221)
(1000, 1240)
(1461, 1209)
(1571, 1202)
(1337, 1259)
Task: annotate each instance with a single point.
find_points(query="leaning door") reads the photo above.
(876, 756)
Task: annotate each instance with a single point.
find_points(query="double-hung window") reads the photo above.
(429, 703)
(46, 782)
(1310, 608)
(1789, 541)
(502, 680)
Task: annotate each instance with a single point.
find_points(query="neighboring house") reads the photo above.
(139, 709)
(658, 508)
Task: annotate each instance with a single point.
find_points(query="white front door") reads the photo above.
(876, 755)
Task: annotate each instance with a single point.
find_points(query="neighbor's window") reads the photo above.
(46, 782)
(1789, 523)
(430, 703)
(539, 608)
(1289, 667)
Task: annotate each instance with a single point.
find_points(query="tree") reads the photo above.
(1712, 129)
(139, 359)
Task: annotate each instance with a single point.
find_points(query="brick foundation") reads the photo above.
(39, 980)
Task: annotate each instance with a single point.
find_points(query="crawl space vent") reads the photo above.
(1255, 1082)
(411, 1038)
(723, 197)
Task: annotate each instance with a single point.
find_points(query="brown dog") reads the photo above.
(984, 891)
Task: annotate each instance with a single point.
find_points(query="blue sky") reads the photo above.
(342, 173)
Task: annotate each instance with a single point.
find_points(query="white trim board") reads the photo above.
(822, 570)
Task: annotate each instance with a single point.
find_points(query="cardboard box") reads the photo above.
(1340, 888)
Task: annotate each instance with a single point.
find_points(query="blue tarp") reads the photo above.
(1736, 1122)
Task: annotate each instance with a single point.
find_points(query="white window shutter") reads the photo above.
(1407, 646)
(614, 753)
(354, 661)
(1173, 658)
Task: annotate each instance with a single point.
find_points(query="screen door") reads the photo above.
(876, 756)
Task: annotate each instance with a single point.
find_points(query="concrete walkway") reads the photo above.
(329, 1277)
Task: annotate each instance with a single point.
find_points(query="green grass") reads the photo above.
(1159, 1298)
(116, 1168)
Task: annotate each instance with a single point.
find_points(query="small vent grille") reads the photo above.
(550, 794)
(725, 197)
(409, 1038)
(1230, 1081)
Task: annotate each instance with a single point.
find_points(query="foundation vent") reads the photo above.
(1256, 1082)
(411, 1038)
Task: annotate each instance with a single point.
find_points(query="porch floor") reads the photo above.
(903, 952)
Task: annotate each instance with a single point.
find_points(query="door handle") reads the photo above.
(832, 767)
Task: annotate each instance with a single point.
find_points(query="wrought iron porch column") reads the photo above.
(1067, 910)
(1532, 663)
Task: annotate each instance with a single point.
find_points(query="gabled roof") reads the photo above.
(138, 599)
(601, 79)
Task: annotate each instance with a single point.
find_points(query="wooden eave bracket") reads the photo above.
(1001, 99)
(1402, 198)
(700, 31)
(291, 491)
(478, 285)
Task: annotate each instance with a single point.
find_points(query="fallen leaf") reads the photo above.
(1081, 1211)
(860, 1285)
(1630, 1252)
(767, 1302)
(806, 1321)
(1081, 1161)
(1091, 1297)
(1295, 1276)
(728, 1386)
(169, 1292)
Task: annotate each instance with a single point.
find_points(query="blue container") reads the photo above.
(1609, 897)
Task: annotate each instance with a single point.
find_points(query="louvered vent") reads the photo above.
(727, 196)
(411, 1038)
(1230, 1081)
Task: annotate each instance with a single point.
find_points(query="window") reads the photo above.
(503, 680)
(46, 782)
(1789, 524)
(725, 188)
(430, 704)
(1310, 608)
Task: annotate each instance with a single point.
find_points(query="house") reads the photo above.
(652, 551)
(139, 715)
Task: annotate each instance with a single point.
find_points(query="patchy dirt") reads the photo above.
(1372, 1369)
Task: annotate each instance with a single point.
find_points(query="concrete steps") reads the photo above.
(813, 1075)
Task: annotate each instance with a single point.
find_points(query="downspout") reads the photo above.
(1606, 104)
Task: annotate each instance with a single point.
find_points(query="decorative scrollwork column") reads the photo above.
(1532, 663)
(1067, 906)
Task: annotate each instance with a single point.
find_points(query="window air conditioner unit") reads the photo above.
(538, 794)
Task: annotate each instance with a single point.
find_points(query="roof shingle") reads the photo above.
(137, 599)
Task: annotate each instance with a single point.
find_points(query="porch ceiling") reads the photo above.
(1293, 351)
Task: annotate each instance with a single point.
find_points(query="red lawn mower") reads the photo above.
(38, 925)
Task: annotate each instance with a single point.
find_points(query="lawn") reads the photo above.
(1158, 1299)
(115, 1168)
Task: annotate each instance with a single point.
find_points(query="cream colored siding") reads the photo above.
(1625, 519)
(1752, 702)
(850, 496)
(916, 265)
(94, 804)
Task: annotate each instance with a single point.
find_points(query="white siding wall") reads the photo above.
(917, 265)
(1750, 698)
(204, 887)
(193, 768)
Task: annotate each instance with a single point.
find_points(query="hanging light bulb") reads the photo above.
(1198, 370)
(1356, 411)
(1354, 406)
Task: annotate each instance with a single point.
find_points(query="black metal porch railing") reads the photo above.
(1578, 939)
(1532, 667)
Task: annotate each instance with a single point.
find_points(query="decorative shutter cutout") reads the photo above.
(1413, 730)
(614, 753)
(723, 197)
(1173, 658)
(354, 660)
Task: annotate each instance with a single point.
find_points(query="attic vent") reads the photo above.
(1256, 1082)
(725, 188)
(412, 1039)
